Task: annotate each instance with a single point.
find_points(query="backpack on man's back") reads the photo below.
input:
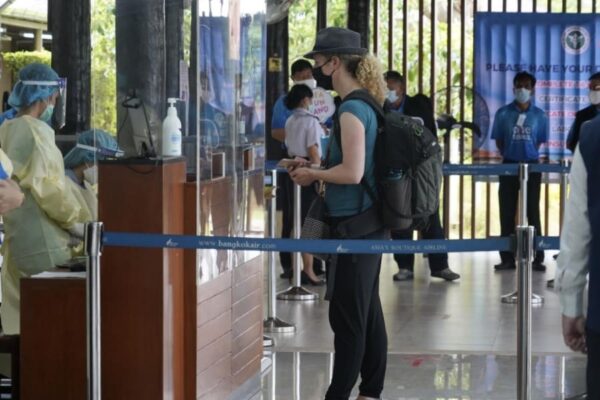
(408, 161)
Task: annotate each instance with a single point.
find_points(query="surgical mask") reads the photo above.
(392, 96)
(323, 81)
(91, 175)
(311, 83)
(595, 97)
(522, 95)
(47, 114)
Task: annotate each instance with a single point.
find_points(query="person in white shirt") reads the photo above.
(303, 139)
(580, 256)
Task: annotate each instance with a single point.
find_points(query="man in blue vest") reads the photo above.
(580, 255)
(519, 129)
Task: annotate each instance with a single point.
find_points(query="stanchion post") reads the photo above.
(273, 324)
(525, 244)
(297, 292)
(513, 298)
(564, 184)
(93, 245)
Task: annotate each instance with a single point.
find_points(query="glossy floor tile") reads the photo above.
(429, 315)
(305, 376)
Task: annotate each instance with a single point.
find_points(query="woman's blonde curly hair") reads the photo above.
(368, 72)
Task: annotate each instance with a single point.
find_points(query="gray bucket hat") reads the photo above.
(337, 41)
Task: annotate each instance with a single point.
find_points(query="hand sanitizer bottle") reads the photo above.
(171, 131)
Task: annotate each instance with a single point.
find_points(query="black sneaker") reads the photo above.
(506, 265)
(446, 274)
(287, 274)
(538, 266)
(403, 275)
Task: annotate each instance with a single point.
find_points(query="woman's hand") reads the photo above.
(11, 196)
(302, 176)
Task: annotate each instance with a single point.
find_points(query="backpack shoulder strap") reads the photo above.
(364, 96)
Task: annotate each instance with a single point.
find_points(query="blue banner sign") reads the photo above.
(561, 50)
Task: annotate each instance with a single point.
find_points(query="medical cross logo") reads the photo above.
(575, 40)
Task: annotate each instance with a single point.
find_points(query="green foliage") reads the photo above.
(104, 78)
(14, 61)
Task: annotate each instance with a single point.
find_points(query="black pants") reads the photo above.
(356, 318)
(508, 194)
(285, 195)
(438, 261)
(593, 364)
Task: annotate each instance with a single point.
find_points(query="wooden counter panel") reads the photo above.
(60, 304)
(214, 307)
(213, 287)
(212, 377)
(246, 338)
(213, 330)
(213, 352)
(247, 287)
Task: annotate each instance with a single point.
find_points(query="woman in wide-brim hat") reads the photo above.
(355, 312)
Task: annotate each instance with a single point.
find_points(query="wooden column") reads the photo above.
(69, 22)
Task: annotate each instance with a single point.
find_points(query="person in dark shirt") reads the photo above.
(585, 114)
(416, 106)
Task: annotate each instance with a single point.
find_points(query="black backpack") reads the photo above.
(408, 167)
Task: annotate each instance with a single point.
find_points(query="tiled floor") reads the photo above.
(465, 337)
(305, 376)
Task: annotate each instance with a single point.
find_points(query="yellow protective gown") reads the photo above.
(89, 194)
(36, 239)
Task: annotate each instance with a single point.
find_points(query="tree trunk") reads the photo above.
(141, 59)
(358, 19)
(69, 21)
(277, 79)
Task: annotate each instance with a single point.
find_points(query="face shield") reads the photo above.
(60, 106)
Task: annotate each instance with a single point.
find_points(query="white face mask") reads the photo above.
(595, 97)
(522, 95)
(311, 83)
(91, 175)
(392, 96)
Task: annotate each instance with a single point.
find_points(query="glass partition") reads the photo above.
(214, 54)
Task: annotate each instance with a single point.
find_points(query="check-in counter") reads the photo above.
(175, 324)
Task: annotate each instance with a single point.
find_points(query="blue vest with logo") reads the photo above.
(589, 146)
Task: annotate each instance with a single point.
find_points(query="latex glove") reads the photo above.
(11, 196)
(77, 230)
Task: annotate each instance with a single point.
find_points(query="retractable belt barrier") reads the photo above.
(477, 169)
(95, 239)
(148, 240)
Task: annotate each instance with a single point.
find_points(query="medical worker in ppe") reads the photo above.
(38, 233)
(81, 164)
